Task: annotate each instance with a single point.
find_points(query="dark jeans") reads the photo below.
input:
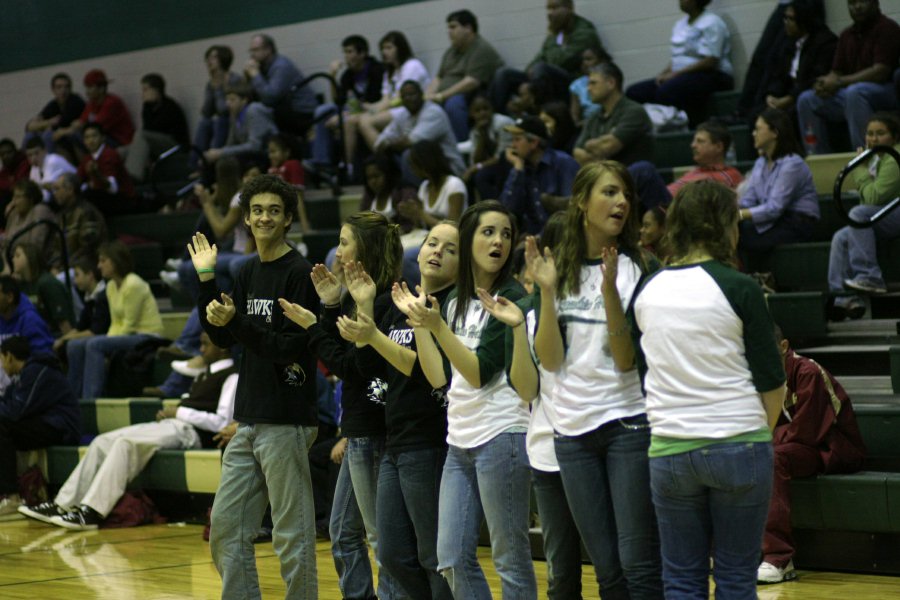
(27, 434)
(755, 248)
(688, 92)
(562, 544)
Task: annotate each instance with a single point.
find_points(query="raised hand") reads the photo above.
(501, 308)
(404, 299)
(609, 268)
(327, 285)
(359, 283)
(359, 331)
(542, 267)
(296, 313)
(421, 315)
(220, 313)
(202, 254)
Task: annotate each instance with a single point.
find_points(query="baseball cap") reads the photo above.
(528, 124)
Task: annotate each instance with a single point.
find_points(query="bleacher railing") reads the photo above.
(55, 229)
(861, 158)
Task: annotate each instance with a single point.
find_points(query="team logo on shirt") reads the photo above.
(294, 375)
(260, 307)
(403, 337)
(440, 396)
(377, 391)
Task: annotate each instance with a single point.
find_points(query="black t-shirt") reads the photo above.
(165, 116)
(71, 111)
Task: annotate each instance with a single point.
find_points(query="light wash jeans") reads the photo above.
(265, 465)
(712, 500)
(488, 482)
(853, 251)
(853, 105)
(87, 361)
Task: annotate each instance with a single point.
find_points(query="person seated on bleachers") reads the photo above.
(359, 77)
(700, 63)
(281, 163)
(816, 433)
(382, 190)
(103, 108)
(779, 204)
(853, 262)
(212, 127)
(81, 221)
(94, 317)
(116, 457)
(540, 181)
(48, 294)
(485, 149)
(59, 113)
(14, 167)
(105, 181)
(557, 117)
(468, 65)
(653, 230)
(621, 130)
(37, 410)
(275, 78)
(18, 316)
(45, 166)
(859, 82)
(805, 59)
(25, 209)
(582, 106)
(134, 318)
(558, 61)
(250, 125)
(163, 125)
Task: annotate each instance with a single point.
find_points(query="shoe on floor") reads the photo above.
(769, 573)
(44, 511)
(9, 507)
(870, 286)
(84, 518)
(856, 308)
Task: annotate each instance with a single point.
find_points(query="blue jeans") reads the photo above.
(562, 544)
(407, 516)
(87, 361)
(712, 499)
(353, 519)
(189, 339)
(457, 109)
(488, 482)
(265, 465)
(607, 482)
(323, 143)
(854, 252)
(211, 133)
(853, 105)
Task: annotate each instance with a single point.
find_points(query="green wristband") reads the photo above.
(206, 270)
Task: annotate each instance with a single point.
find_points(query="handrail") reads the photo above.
(54, 227)
(339, 100)
(839, 184)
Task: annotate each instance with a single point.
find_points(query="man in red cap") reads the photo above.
(106, 109)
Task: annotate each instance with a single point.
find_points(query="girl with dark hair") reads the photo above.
(370, 243)
(653, 228)
(779, 204)
(486, 474)
(47, 293)
(442, 195)
(598, 413)
(487, 143)
(581, 105)
(715, 384)
(382, 189)
(560, 125)
(27, 207)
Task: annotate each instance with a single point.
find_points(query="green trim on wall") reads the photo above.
(36, 33)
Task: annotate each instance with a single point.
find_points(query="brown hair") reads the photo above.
(120, 256)
(703, 214)
(378, 247)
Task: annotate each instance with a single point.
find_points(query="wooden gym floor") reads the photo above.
(168, 562)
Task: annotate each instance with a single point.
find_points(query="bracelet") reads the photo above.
(623, 330)
(206, 270)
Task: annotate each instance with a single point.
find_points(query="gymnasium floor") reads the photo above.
(168, 562)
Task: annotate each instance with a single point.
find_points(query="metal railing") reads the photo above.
(839, 184)
(55, 229)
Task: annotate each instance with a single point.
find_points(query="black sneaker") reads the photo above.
(42, 512)
(83, 518)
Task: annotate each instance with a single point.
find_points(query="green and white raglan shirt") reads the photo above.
(708, 343)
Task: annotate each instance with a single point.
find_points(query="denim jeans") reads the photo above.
(265, 465)
(490, 481)
(407, 516)
(87, 360)
(323, 143)
(562, 544)
(854, 252)
(353, 519)
(712, 499)
(211, 133)
(607, 482)
(853, 105)
(457, 109)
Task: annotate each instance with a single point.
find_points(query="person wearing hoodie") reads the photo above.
(38, 409)
(18, 316)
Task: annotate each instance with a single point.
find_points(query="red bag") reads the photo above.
(133, 508)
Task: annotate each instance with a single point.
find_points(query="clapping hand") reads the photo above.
(359, 284)
(296, 313)
(202, 254)
(421, 315)
(609, 268)
(404, 299)
(501, 308)
(359, 331)
(327, 284)
(220, 313)
(543, 268)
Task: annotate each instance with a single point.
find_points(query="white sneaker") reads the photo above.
(769, 573)
(174, 263)
(170, 278)
(9, 507)
(181, 366)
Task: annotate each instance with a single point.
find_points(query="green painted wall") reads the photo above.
(35, 33)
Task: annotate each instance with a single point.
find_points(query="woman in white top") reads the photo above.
(486, 473)
(582, 336)
(399, 65)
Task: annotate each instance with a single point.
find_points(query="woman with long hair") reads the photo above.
(47, 293)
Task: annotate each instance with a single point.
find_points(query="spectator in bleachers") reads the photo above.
(103, 108)
(859, 82)
(282, 164)
(58, 114)
(700, 63)
(653, 230)
(486, 146)
(134, 317)
(621, 130)
(359, 78)
(48, 294)
(540, 181)
(82, 223)
(383, 191)
(46, 166)
(37, 410)
(18, 316)
(163, 126)
(106, 182)
(853, 262)
(808, 56)
(27, 208)
(816, 434)
(557, 119)
(250, 125)
(212, 128)
(275, 78)
(582, 105)
(468, 65)
(14, 167)
(399, 65)
(116, 457)
(442, 195)
(558, 61)
(779, 204)
(94, 317)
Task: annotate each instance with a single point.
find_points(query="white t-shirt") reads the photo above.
(707, 36)
(241, 235)
(441, 207)
(539, 440)
(412, 69)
